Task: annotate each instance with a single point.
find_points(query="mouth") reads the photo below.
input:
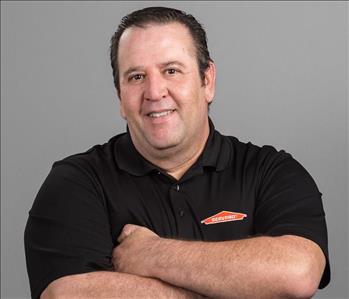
(160, 113)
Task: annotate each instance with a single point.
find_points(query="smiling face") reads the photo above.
(162, 96)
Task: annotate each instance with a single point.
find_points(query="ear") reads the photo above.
(121, 107)
(210, 82)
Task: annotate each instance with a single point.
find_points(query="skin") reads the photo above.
(110, 285)
(159, 73)
(261, 267)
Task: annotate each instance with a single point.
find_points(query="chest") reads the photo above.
(209, 207)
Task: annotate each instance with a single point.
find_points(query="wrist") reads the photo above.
(158, 257)
(152, 259)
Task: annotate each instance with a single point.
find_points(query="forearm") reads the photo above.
(103, 284)
(262, 267)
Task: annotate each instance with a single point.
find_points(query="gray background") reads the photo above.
(282, 80)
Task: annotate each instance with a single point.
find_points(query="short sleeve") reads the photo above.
(289, 202)
(68, 230)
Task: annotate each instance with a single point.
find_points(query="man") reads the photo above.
(172, 208)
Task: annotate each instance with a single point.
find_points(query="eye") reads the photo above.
(171, 71)
(136, 77)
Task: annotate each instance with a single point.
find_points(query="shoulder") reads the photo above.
(91, 169)
(80, 176)
(99, 157)
(264, 163)
(250, 154)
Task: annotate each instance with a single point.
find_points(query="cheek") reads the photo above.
(186, 91)
(129, 103)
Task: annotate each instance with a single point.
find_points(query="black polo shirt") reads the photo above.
(234, 190)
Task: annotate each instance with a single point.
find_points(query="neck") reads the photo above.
(176, 161)
(178, 168)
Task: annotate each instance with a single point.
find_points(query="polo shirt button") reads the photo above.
(181, 213)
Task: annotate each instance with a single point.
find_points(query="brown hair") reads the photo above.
(161, 15)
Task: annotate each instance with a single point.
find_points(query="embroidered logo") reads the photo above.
(224, 216)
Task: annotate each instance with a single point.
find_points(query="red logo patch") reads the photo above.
(224, 216)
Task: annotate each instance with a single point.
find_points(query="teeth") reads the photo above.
(160, 114)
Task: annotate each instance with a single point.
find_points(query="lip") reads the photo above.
(159, 111)
(160, 119)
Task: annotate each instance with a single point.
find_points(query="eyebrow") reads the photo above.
(168, 63)
(164, 64)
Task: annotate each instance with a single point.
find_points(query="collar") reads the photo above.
(216, 154)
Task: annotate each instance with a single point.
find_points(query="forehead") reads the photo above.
(155, 41)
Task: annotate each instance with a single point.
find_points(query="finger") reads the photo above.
(127, 231)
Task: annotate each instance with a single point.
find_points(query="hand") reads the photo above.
(133, 254)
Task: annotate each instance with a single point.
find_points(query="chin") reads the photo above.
(162, 144)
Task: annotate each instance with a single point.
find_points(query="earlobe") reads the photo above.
(121, 107)
(122, 112)
(210, 82)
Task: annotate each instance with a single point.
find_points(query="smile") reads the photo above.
(160, 114)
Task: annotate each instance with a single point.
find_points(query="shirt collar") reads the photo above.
(129, 159)
(216, 154)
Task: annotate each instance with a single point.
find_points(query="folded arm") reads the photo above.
(260, 267)
(103, 284)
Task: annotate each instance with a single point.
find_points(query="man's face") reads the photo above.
(162, 96)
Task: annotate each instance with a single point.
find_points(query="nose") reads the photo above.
(155, 88)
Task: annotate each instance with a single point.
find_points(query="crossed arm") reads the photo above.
(152, 267)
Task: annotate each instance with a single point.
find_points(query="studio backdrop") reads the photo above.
(282, 80)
